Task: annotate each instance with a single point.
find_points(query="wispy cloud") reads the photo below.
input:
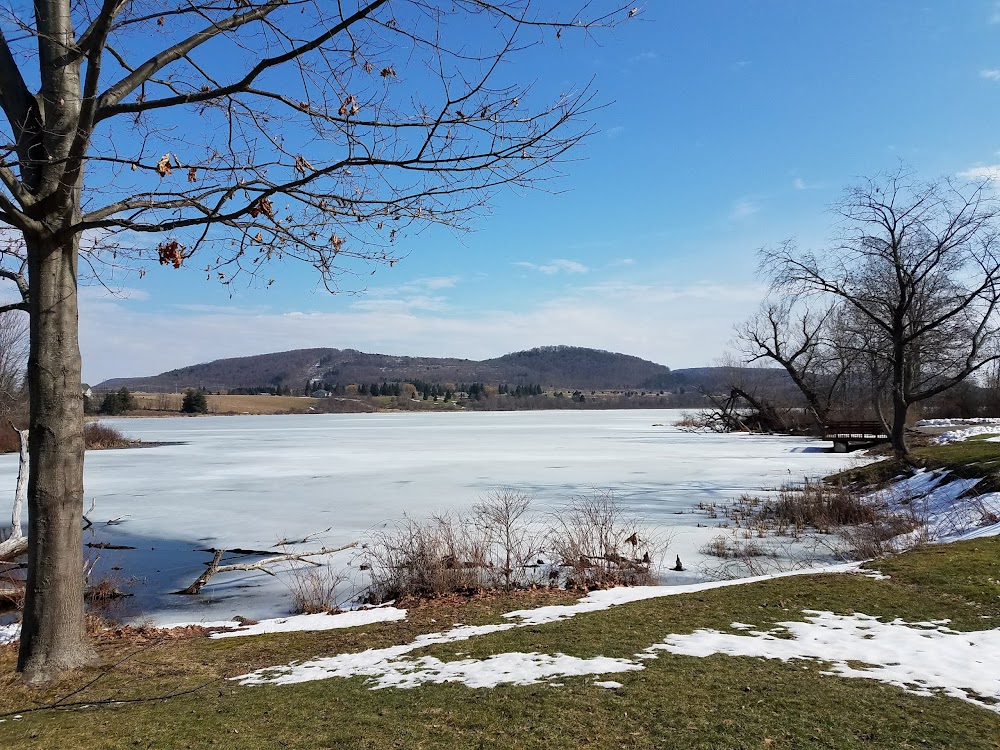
(429, 284)
(800, 184)
(995, 14)
(990, 74)
(644, 57)
(744, 208)
(986, 172)
(741, 65)
(614, 132)
(101, 293)
(559, 265)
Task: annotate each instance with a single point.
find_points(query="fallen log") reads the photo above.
(215, 566)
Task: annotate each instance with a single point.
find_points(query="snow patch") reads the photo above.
(9, 633)
(607, 598)
(300, 623)
(946, 508)
(393, 667)
(957, 436)
(608, 684)
(922, 658)
(956, 422)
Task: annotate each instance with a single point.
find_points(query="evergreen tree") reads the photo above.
(195, 402)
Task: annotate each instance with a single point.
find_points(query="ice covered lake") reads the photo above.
(249, 481)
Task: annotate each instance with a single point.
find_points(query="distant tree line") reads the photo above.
(271, 390)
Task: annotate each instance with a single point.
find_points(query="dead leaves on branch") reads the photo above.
(171, 253)
(350, 105)
(262, 206)
(163, 166)
(302, 165)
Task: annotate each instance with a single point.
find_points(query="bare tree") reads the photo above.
(810, 345)
(13, 357)
(917, 273)
(259, 129)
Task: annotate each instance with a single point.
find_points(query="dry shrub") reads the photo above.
(424, 560)
(734, 549)
(9, 441)
(502, 545)
(510, 544)
(99, 435)
(315, 589)
(597, 545)
(813, 506)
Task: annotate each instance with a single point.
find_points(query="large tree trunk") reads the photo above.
(53, 633)
(897, 433)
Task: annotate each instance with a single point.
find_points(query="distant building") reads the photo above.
(321, 394)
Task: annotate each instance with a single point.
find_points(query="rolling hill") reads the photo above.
(549, 366)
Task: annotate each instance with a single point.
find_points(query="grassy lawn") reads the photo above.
(675, 702)
(970, 458)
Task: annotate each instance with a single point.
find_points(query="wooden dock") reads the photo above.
(850, 436)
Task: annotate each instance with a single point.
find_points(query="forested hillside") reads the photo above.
(550, 366)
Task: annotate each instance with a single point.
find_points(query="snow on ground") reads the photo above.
(603, 599)
(9, 634)
(955, 422)
(948, 508)
(957, 436)
(922, 658)
(247, 482)
(392, 667)
(301, 623)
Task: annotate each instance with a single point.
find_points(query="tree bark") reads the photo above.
(897, 433)
(53, 632)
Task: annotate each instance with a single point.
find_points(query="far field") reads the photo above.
(171, 402)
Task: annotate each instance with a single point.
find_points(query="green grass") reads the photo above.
(676, 702)
(968, 458)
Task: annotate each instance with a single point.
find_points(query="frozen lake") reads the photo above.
(249, 481)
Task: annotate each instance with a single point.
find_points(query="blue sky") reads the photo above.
(729, 125)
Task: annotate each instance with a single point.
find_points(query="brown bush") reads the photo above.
(597, 545)
(98, 435)
(315, 589)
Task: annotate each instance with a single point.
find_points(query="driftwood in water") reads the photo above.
(215, 566)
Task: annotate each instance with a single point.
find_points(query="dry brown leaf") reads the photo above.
(171, 253)
(163, 166)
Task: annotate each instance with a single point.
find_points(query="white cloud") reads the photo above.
(615, 131)
(991, 74)
(112, 293)
(800, 184)
(679, 326)
(559, 265)
(986, 172)
(744, 208)
(644, 57)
